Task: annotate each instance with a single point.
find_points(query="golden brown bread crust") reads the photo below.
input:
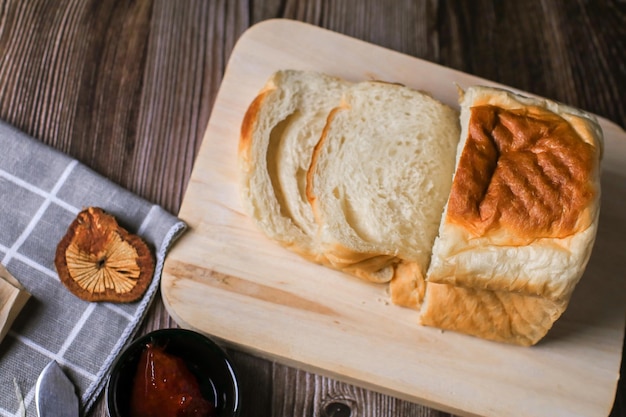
(525, 170)
(500, 316)
(522, 214)
(249, 119)
(520, 221)
(408, 286)
(315, 154)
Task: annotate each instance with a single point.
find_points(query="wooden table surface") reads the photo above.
(127, 88)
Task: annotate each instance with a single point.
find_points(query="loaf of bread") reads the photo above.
(521, 218)
(483, 223)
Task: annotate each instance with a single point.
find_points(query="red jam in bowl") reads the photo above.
(164, 386)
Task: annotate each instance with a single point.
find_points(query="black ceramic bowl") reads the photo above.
(205, 360)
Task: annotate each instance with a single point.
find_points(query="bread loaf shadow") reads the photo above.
(599, 297)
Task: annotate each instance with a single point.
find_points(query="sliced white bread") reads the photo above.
(278, 133)
(380, 176)
(521, 218)
(356, 176)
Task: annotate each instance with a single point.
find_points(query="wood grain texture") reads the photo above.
(128, 87)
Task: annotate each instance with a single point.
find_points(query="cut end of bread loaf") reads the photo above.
(381, 173)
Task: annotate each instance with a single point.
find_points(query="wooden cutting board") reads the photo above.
(223, 278)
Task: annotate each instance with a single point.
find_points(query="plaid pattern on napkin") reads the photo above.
(41, 192)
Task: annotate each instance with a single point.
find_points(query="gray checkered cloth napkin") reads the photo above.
(41, 192)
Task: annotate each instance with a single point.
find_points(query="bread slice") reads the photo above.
(278, 133)
(521, 218)
(380, 176)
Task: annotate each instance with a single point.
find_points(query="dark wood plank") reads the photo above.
(563, 50)
(128, 87)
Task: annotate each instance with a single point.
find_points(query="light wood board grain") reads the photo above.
(225, 279)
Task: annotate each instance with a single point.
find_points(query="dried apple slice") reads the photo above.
(98, 260)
